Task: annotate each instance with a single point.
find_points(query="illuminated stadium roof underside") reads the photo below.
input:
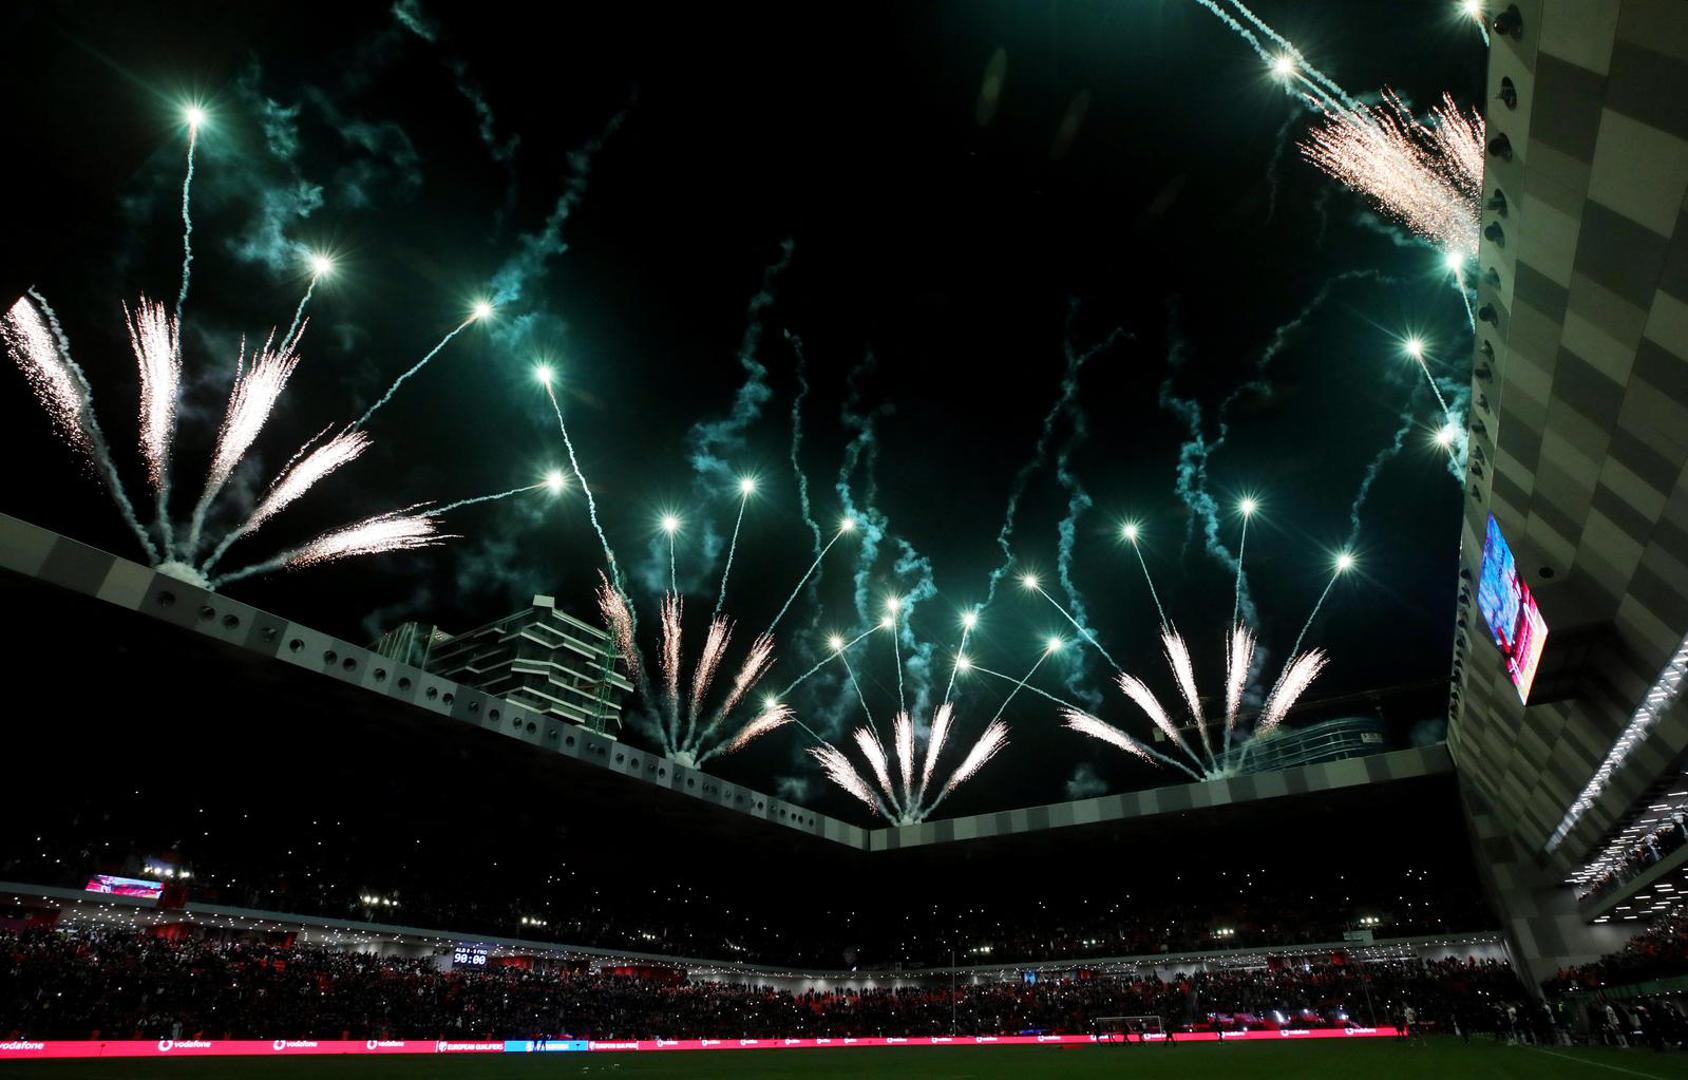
(366, 680)
(1580, 401)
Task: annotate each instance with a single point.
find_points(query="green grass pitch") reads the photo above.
(1438, 1059)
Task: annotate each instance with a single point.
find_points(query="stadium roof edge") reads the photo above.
(46, 556)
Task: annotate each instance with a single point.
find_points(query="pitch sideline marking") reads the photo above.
(1601, 1064)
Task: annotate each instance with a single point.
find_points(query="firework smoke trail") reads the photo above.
(1237, 591)
(1079, 501)
(253, 398)
(1239, 657)
(414, 368)
(491, 498)
(1191, 477)
(298, 323)
(1375, 468)
(157, 347)
(1178, 659)
(1080, 627)
(187, 221)
(802, 375)
(1329, 94)
(673, 574)
(1416, 175)
(586, 489)
(732, 549)
(1024, 679)
(861, 455)
(398, 530)
(1314, 614)
(673, 608)
(967, 623)
(801, 679)
(1415, 349)
(1064, 404)
(1324, 84)
(39, 347)
(861, 697)
(814, 566)
(298, 477)
(1150, 581)
(1085, 724)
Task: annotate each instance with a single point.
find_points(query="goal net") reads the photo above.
(1124, 1029)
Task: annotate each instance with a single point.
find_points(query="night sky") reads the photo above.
(1137, 174)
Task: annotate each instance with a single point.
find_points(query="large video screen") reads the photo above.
(125, 886)
(1511, 612)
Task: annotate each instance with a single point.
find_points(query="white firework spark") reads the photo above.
(298, 478)
(1427, 177)
(396, 530)
(867, 741)
(902, 735)
(256, 389)
(1085, 724)
(714, 647)
(988, 746)
(1297, 676)
(1139, 692)
(154, 337)
(613, 605)
(756, 664)
(770, 719)
(908, 804)
(935, 742)
(50, 374)
(673, 609)
(1239, 655)
(839, 770)
(1178, 658)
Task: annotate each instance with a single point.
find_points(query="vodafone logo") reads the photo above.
(164, 1046)
(371, 1044)
(278, 1045)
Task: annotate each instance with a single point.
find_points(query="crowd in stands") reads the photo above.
(676, 915)
(1659, 952)
(127, 983)
(1645, 851)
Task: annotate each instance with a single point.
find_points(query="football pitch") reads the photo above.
(1381, 1059)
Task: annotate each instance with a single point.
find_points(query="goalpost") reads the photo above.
(1120, 1030)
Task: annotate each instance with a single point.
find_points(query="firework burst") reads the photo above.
(902, 797)
(686, 737)
(1296, 677)
(1426, 175)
